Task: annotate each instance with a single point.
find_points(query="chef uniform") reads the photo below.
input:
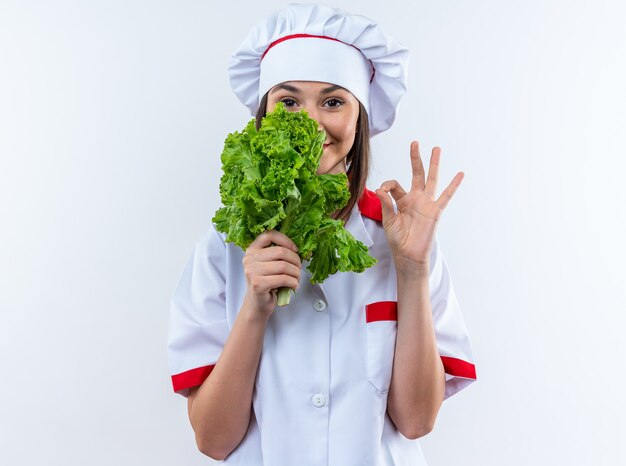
(321, 388)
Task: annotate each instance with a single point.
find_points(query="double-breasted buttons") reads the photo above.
(319, 305)
(319, 400)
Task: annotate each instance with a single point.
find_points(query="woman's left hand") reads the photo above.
(410, 231)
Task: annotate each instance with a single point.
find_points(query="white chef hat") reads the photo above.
(314, 42)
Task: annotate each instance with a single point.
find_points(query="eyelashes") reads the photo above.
(330, 103)
(336, 102)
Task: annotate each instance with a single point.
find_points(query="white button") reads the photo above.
(319, 305)
(319, 400)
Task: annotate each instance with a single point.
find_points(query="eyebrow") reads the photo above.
(294, 89)
(286, 87)
(330, 89)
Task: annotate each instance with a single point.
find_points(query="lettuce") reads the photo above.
(270, 181)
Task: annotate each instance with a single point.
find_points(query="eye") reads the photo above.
(289, 102)
(333, 103)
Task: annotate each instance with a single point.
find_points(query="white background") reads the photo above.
(112, 119)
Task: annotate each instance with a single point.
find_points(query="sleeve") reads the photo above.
(198, 326)
(453, 341)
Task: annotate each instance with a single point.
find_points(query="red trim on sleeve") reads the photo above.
(370, 205)
(382, 310)
(458, 367)
(191, 378)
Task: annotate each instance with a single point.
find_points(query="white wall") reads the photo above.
(112, 119)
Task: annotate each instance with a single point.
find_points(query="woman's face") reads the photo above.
(335, 109)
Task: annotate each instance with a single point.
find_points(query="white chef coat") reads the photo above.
(321, 389)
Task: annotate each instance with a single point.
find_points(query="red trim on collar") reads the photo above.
(370, 205)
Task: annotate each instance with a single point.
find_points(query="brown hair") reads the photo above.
(358, 158)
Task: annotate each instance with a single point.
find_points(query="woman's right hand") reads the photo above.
(270, 262)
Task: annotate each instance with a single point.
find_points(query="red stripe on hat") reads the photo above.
(191, 378)
(458, 367)
(301, 36)
(370, 205)
(382, 310)
(298, 36)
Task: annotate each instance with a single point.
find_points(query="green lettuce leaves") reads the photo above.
(269, 182)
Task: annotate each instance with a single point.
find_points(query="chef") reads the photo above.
(354, 370)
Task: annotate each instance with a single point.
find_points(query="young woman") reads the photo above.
(354, 370)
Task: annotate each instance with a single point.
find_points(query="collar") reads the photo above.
(369, 206)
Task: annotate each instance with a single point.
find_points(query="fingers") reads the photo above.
(417, 167)
(273, 237)
(447, 193)
(262, 288)
(267, 269)
(397, 192)
(385, 201)
(433, 172)
(394, 188)
(276, 253)
(271, 262)
(273, 247)
(269, 284)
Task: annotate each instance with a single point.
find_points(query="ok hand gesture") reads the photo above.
(410, 231)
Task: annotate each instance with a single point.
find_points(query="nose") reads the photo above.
(313, 113)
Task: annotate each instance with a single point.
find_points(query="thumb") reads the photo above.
(387, 205)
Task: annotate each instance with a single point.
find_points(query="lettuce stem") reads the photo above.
(284, 296)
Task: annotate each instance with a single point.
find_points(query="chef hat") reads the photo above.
(314, 42)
